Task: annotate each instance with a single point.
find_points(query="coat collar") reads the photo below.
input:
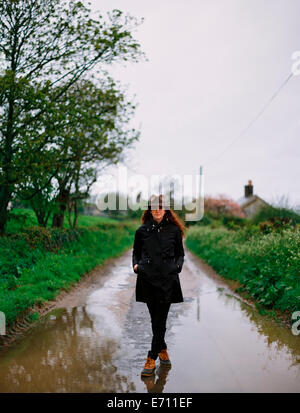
(154, 224)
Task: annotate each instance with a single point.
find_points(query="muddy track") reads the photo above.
(97, 337)
(77, 291)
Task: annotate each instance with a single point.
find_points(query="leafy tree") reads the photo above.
(46, 46)
(43, 201)
(94, 137)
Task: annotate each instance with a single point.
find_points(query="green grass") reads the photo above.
(37, 263)
(22, 218)
(267, 265)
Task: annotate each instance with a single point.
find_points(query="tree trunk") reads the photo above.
(75, 214)
(5, 196)
(62, 200)
(7, 187)
(42, 217)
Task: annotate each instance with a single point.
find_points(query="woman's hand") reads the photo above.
(135, 267)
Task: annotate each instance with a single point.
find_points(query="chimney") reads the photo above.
(249, 189)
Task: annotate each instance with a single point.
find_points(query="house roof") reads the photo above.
(245, 201)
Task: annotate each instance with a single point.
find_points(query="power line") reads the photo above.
(260, 113)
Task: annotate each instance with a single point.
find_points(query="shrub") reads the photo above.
(276, 224)
(38, 263)
(233, 222)
(269, 213)
(267, 265)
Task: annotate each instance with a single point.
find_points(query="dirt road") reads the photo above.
(97, 338)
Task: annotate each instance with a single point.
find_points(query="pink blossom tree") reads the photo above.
(222, 205)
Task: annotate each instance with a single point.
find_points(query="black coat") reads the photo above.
(158, 251)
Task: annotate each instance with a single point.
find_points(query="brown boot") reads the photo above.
(149, 367)
(164, 358)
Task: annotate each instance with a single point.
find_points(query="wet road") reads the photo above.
(98, 338)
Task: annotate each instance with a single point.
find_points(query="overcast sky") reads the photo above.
(213, 65)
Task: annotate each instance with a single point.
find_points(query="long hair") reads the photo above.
(169, 213)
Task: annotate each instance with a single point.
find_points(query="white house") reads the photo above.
(251, 203)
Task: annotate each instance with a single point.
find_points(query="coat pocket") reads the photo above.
(143, 264)
(171, 266)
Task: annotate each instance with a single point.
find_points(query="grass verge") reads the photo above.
(36, 270)
(265, 265)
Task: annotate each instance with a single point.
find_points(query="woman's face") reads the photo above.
(158, 214)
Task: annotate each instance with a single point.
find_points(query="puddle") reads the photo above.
(99, 342)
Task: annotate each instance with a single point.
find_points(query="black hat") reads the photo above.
(158, 202)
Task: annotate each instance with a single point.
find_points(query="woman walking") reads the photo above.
(157, 259)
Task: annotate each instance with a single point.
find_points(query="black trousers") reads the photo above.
(158, 313)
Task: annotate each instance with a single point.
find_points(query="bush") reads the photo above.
(267, 265)
(22, 250)
(206, 220)
(269, 213)
(48, 239)
(276, 224)
(37, 264)
(233, 222)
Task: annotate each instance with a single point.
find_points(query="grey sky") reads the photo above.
(212, 66)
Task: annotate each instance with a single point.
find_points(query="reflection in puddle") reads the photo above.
(64, 354)
(234, 349)
(156, 383)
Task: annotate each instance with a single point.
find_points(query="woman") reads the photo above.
(157, 258)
